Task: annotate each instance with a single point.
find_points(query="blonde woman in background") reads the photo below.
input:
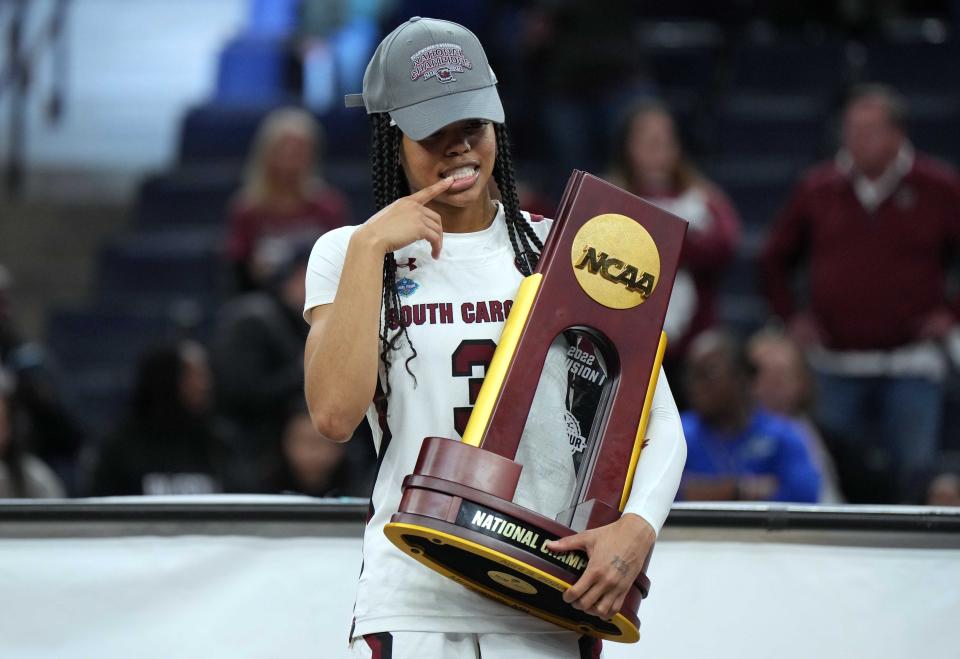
(282, 201)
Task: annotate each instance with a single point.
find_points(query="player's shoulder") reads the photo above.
(333, 242)
(340, 235)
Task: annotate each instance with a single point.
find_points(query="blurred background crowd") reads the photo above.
(151, 341)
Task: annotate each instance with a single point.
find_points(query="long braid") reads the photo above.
(389, 184)
(520, 231)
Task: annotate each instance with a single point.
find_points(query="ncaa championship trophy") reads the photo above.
(595, 306)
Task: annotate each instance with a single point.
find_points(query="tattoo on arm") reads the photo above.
(620, 565)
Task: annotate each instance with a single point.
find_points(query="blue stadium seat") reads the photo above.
(97, 350)
(188, 196)
(679, 70)
(938, 137)
(790, 68)
(346, 133)
(158, 269)
(86, 338)
(741, 306)
(757, 124)
(912, 66)
(352, 178)
(213, 133)
(759, 186)
(741, 276)
(760, 201)
(727, 12)
(742, 314)
(224, 135)
(254, 71)
(277, 18)
(101, 397)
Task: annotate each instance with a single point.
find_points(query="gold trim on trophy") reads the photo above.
(644, 420)
(628, 632)
(497, 371)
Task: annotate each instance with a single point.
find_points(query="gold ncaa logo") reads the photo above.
(615, 261)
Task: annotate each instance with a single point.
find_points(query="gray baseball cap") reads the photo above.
(427, 74)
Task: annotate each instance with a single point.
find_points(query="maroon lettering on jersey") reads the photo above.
(482, 315)
(434, 313)
(419, 314)
(468, 355)
(485, 311)
(536, 218)
(446, 313)
(391, 319)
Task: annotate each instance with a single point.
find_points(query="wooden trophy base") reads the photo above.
(457, 518)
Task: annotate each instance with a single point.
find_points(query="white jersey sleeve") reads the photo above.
(658, 472)
(324, 268)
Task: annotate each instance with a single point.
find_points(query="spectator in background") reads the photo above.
(51, 431)
(784, 385)
(316, 466)
(734, 449)
(282, 199)
(257, 356)
(873, 230)
(167, 443)
(22, 475)
(649, 162)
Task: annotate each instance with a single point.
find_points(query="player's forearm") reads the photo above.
(661, 463)
(342, 355)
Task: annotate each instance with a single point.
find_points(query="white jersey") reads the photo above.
(454, 308)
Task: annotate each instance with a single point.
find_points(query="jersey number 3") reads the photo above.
(469, 354)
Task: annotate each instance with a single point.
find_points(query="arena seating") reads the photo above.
(758, 114)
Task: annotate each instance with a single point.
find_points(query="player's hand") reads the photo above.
(616, 554)
(408, 220)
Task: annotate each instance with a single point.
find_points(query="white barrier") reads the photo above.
(284, 588)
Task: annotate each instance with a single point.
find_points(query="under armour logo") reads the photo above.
(409, 264)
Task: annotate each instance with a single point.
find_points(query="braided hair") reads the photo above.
(390, 184)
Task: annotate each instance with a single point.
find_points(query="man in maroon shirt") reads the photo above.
(873, 232)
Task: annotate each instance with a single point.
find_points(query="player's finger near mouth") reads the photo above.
(428, 193)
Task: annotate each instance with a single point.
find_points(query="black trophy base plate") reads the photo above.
(501, 572)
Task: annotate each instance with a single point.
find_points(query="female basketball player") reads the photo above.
(400, 310)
